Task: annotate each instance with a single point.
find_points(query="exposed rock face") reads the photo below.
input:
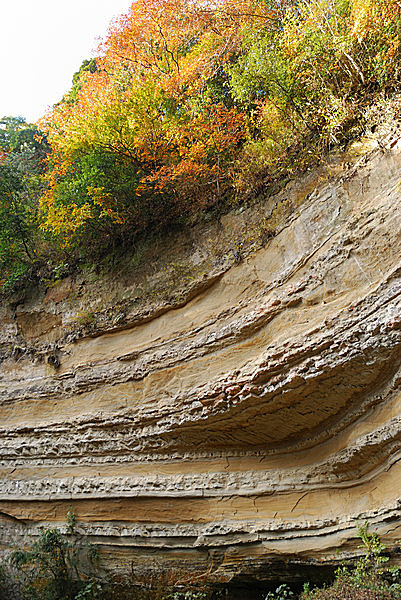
(256, 422)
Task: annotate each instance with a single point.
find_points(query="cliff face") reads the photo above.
(251, 420)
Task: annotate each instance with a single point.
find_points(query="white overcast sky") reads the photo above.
(42, 44)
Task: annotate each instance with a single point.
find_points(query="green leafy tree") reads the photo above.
(22, 154)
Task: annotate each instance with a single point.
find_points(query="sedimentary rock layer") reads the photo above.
(259, 419)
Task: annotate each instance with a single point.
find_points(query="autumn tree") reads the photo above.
(147, 112)
(305, 81)
(190, 103)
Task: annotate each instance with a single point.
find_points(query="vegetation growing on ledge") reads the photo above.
(189, 107)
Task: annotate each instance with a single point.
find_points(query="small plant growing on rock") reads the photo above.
(86, 319)
(283, 592)
(368, 580)
(54, 567)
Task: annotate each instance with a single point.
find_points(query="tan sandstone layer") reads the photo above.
(254, 421)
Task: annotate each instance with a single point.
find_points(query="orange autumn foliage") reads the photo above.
(182, 87)
(147, 103)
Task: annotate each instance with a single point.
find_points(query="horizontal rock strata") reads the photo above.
(258, 421)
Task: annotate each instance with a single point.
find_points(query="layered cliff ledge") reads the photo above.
(241, 427)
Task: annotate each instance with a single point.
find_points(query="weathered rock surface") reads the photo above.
(252, 424)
